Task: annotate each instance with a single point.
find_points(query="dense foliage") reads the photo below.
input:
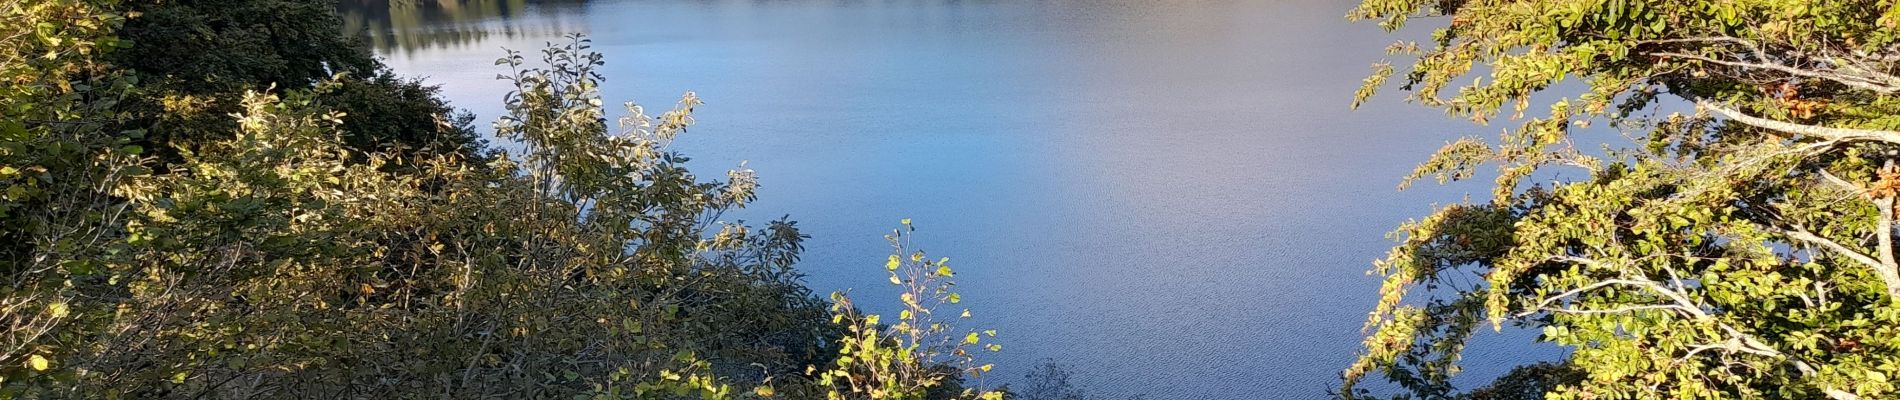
(204, 201)
(1735, 242)
(195, 58)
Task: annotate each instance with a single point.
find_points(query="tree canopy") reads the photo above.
(1736, 241)
(194, 59)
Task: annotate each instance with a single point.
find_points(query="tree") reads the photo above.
(195, 58)
(278, 260)
(1740, 250)
(271, 264)
(62, 154)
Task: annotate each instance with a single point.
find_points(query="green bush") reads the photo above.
(303, 254)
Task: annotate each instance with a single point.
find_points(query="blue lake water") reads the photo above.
(1170, 196)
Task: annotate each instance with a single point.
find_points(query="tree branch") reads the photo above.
(1735, 342)
(1802, 234)
(1837, 134)
(1853, 68)
(1681, 301)
(1843, 184)
(1885, 266)
(1861, 82)
(1888, 269)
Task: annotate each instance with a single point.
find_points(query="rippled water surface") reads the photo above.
(1171, 196)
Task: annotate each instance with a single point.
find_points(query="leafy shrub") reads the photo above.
(277, 260)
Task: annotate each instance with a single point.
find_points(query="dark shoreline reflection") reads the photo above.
(408, 26)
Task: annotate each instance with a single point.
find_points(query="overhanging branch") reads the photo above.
(1836, 134)
(1844, 78)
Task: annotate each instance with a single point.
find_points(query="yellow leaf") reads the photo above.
(37, 363)
(58, 310)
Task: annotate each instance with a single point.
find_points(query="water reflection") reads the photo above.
(408, 26)
(1170, 195)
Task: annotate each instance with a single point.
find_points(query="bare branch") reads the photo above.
(1736, 341)
(1888, 269)
(1802, 234)
(1836, 134)
(1885, 266)
(1753, 48)
(1681, 302)
(1853, 68)
(1618, 310)
(1843, 184)
(1850, 79)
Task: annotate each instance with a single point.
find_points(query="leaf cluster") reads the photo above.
(1739, 251)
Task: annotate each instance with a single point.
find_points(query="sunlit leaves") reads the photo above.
(277, 248)
(917, 353)
(63, 157)
(37, 362)
(1702, 258)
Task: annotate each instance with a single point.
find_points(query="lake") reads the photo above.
(1172, 197)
